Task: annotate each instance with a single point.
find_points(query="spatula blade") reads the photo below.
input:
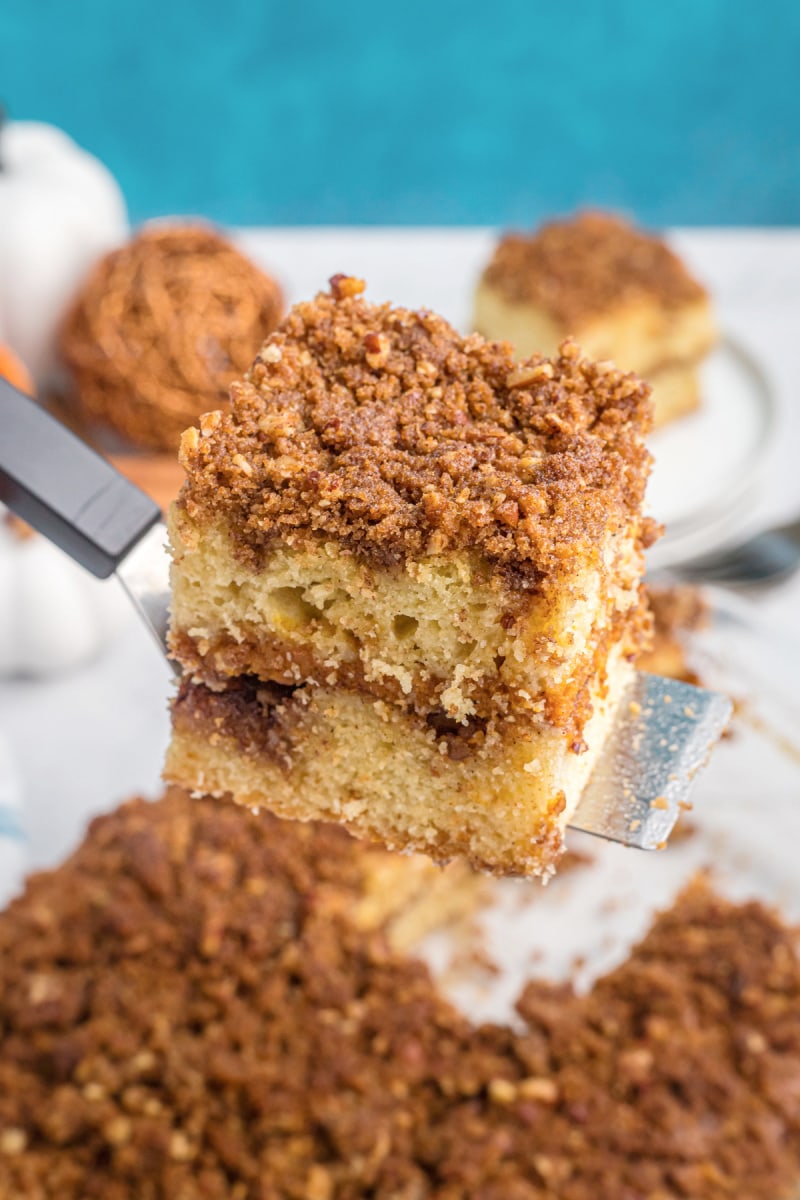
(663, 734)
(144, 574)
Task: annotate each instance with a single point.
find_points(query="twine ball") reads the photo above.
(161, 328)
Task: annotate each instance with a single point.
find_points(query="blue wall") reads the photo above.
(680, 112)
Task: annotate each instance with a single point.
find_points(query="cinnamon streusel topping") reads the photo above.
(386, 430)
(588, 266)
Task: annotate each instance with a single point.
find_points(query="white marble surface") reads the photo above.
(13, 858)
(85, 741)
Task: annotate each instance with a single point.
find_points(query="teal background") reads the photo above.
(685, 112)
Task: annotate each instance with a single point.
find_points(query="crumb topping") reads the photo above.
(386, 430)
(186, 1010)
(586, 266)
(678, 610)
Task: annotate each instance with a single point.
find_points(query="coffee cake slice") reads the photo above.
(406, 582)
(621, 292)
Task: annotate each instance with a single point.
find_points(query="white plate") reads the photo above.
(747, 818)
(709, 465)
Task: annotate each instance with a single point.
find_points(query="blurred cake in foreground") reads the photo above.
(406, 582)
(620, 292)
(188, 1010)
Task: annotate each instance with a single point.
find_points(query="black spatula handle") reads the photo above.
(77, 500)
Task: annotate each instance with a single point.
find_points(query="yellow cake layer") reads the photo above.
(639, 337)
(408, 896)
(444, 633)
(676, 392)
(388, 777)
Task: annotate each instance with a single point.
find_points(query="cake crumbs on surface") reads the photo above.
(587, 265)
(683, 831)
(185, 1010)
(678, 610)
(386, 430)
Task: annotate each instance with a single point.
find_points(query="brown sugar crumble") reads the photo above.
(579, 268)
(187, 1011)
(678, 610)
(260, 716)
(388, 431)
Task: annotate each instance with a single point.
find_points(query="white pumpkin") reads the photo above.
(12, 836)
(53, 614)
(60, 210)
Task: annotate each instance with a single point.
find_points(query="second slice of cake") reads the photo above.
(406, 582)
(620, 291)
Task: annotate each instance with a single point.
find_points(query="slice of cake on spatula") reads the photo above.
(406, 582)
(445, 749)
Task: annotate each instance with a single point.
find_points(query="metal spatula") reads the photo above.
(663, 732)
